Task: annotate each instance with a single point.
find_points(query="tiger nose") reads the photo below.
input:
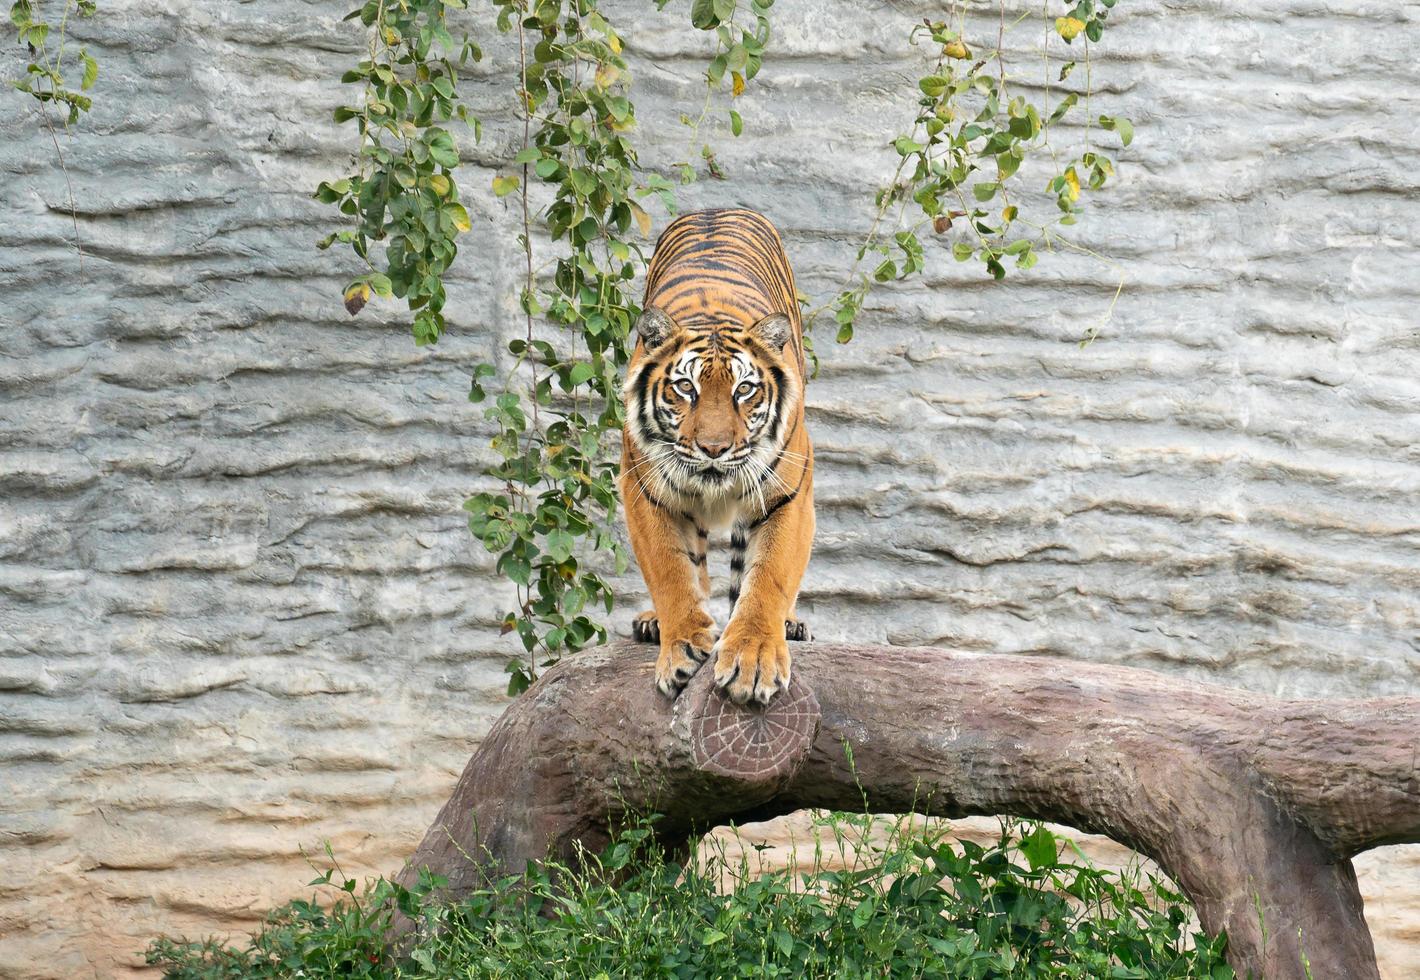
(714, 448)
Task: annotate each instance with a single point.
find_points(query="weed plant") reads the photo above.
(916, 904)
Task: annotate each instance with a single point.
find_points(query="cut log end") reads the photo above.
(752, 744)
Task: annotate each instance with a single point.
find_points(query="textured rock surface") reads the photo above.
(239, 612)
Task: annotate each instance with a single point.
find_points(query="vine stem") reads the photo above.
(528, 280)
(73, 207)
(49, 125)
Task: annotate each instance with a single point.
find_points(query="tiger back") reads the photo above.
(715, 438)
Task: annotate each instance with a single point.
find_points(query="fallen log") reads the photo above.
(1253, 805)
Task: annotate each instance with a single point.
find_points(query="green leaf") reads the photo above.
(702, 15)
(583, 182)
(442, 150)
(985, 191)
(1122, 126)
(518, 682)
(559, 545)
(1039, 847)
(737, 125)
(933, 85)
(91, 70)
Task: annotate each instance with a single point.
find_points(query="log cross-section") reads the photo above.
(1253, 805)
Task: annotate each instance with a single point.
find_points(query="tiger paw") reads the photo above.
(751, 664)
(797, 630)
(678, 662)
(646, 628)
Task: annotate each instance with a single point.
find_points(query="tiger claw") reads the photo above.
(676, 665)
(751, 666)
(646, 628)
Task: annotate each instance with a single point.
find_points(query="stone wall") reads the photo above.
(239, 611)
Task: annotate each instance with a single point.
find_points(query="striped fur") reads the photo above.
(715, 438)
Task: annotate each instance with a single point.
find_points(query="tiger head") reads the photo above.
(709, 406)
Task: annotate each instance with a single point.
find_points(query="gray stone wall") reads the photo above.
(239, 611)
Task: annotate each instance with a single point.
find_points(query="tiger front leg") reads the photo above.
(752, 656)
(671, 552)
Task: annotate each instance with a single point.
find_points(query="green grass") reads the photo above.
(916, 905)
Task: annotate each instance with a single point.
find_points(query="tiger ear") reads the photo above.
(774, 330)
(655, 327)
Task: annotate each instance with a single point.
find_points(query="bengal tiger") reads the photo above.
(715, 437)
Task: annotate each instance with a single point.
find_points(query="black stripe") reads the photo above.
(771, 511)
(652, 498)
(803, 473)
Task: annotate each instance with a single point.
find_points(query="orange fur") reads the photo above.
(715, 437)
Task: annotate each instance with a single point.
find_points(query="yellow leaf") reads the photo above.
(613, 42)
(957, 49)
(1072, 181)
(356, 296)
(607, 75)
(503, 186)
(1069, 27)
(643, 220)
(460, 217)
(440, 184)
(737, 84)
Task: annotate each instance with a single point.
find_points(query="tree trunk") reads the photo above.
(1252, 804)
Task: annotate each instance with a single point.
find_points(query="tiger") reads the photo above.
(714, 437)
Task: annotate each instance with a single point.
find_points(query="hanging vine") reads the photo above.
(958, 164)
(402, 193)
(556, 403)
(46, 66)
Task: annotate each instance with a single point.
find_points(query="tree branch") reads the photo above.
(1252, 804)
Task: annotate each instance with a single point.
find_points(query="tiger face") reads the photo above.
(707, 405)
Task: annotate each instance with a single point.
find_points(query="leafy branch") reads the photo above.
(44, 78)
(402, 193)
(44, 73)
(963, 155)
